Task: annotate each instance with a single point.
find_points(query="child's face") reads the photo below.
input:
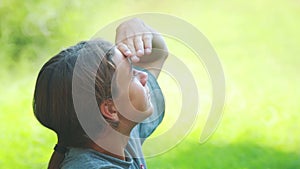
(133, 98)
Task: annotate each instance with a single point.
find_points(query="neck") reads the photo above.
(112, 142)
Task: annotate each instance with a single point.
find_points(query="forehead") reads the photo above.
(118, 57)
(120, 60)
(122, 63)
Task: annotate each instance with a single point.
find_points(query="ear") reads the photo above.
(109, 110)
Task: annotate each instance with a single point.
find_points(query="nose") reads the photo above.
(143, 77)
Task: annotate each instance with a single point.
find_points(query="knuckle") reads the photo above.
(138, 39)
(131, 47)
(121, 44)
(129, 42)
(148, 36)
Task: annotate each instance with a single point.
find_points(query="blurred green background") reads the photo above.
(258, 45)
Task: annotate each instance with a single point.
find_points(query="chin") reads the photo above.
(148, 112)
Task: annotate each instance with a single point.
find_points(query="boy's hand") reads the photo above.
(143, 45)
(134, 39)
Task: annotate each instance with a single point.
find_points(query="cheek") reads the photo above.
(137, 96)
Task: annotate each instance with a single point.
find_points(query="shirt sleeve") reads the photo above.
(147, 127)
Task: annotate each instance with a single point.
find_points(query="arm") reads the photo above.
(145, 47)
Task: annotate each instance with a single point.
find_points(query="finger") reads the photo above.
(124, 49)
(131, 47)
(148, 43)
(139, 46)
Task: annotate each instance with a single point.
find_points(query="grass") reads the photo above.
(258, 45)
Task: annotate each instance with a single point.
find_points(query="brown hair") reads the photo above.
(53, 104)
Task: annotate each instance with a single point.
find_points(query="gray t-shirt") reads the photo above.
(80, 158)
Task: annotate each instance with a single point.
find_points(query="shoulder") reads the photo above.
(86, 158)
